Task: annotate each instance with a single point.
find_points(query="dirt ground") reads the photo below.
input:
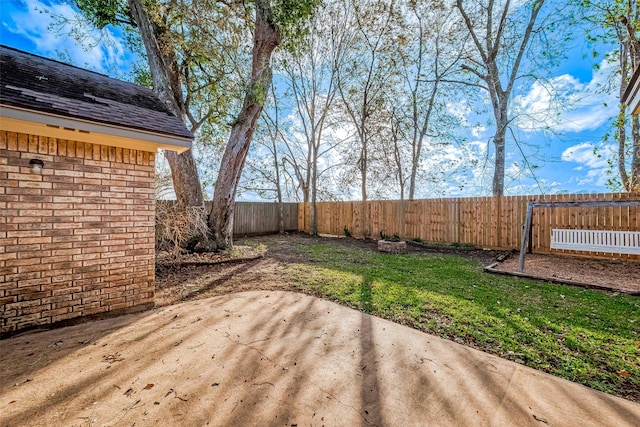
(259, 264)
(611, 274)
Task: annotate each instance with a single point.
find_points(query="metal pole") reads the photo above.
(525, 237)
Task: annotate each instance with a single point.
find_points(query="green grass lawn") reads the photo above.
(587, 336)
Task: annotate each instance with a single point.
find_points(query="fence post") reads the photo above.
(499, 222)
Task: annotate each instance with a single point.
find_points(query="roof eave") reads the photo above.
(16, 119)
(631, 96)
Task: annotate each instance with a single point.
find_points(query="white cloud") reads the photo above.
(585, 154)
(32, 19)
(566, 104)
(592, 159)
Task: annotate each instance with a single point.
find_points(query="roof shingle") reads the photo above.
(35, 83)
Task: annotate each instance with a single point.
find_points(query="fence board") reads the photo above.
(482, 221)
(251, 218)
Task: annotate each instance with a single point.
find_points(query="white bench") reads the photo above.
(619, 242)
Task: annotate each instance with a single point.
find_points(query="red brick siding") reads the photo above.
(77, 239)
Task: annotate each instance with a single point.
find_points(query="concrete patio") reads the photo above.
(278, 358)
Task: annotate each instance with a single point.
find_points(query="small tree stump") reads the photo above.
(392, 247)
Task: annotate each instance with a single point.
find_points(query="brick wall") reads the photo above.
(78, 239)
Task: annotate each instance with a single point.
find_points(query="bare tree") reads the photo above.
(264, 169)
(500, 34)
(311, 76)
(363, 80)
(432, 55)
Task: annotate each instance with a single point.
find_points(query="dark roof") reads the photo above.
(40, 84)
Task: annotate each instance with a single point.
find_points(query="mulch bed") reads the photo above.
(616, 275)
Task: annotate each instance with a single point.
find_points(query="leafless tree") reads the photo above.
(500, 33)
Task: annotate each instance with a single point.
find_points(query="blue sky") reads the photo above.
(28, 25)
(566, 158)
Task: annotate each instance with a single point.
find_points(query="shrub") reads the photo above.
(177, 229)
(394, 238)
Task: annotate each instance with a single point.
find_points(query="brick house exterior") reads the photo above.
(76, 227)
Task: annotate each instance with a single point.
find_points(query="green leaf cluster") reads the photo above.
(105, 12)
(292, 18)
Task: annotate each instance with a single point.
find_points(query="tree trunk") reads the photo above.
(280, 214)
(159, 70)
(276, 166)
(314, 188)
(622, 141)
(266, 39)
(278, 190)
(366, 233)
(398, 160)
(634, 49)
(498, 173)
(635, 153)
(412, 181)
(418, 137)
(186, 181)
(629, 61)
(630, 177)
(499, 100)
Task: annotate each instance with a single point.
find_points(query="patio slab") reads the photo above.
(280, 359)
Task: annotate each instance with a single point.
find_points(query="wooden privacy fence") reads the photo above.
(262, 218)
(487, 222)
(252, 218)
